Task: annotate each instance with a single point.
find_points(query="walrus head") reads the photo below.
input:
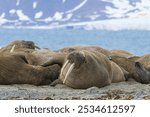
(24, 44)
(141, 73)
(74, 60)
(77, 58)
(21, 44)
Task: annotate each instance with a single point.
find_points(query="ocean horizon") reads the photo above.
(134, 41)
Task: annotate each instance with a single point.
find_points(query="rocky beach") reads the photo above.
(129, 90)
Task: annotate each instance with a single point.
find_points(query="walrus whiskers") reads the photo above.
(64, 67)
(69, 71)
(12, 49)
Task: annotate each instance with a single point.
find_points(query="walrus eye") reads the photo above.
(109, 57)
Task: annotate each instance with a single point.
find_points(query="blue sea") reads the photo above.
(135, 41)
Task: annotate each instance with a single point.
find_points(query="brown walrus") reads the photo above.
(121, 53)
(84, 69)
(84, 47)
(60, 55)
(132, 69)
(145, 60)
(14, 69)
(28, 49)
(19, 46)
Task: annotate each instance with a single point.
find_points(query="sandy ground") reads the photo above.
(129, 90)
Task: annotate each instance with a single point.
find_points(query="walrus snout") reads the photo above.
(29, 44)
(77, 58)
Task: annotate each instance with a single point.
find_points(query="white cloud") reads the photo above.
(34, 5)
(77, 7)
(58, 16)
(22, 16)
(38, 15)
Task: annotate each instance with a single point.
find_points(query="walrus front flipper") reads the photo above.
(57, 58)
(51, 61)
(57, 81)
(143, 73)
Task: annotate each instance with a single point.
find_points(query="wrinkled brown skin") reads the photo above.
(20, 46)
(132, 69)
(14, 69)
(56, 58)
(145, 60)
(88, 48)
(121, 53)
(134, 58)
(39, 58)
(118, 74)
(60, 55)
(93, 69)
(28, 49)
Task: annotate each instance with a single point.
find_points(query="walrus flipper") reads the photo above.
(51, 61)
(57, 81)
(56, 59)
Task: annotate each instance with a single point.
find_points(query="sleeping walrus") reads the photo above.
(60, 54)
(19, 46)
(132, 69)
(14, 69)
(84, 69)
(84, 47)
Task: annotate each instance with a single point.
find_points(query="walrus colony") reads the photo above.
(80, 67)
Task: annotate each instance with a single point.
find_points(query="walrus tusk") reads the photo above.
(64, 67)
(37, 47)
(69, 71)
(12, 49)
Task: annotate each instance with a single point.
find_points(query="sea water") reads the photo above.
(135, 41)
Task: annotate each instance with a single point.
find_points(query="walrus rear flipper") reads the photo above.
(143, 73)
(57, 81)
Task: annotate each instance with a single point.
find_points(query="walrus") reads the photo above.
(39, 57)
(145, 60)
(84, 47)
(14, 69)
(19, 46)
(121, 53)
(28, 49)
(132, 69)
(61, 54)
(118, 74)
(84, 69)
